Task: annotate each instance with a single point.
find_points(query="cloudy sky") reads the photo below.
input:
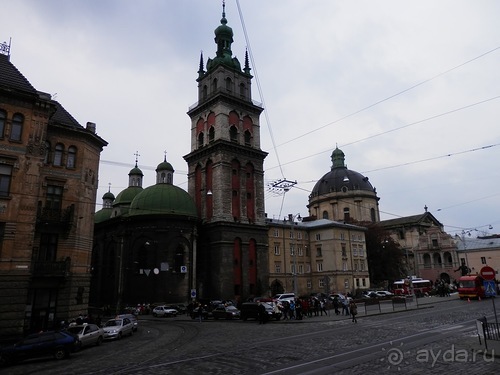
(409, 90)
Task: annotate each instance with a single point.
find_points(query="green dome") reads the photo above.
(164, 166)
(163, 199)
(102, 215)
(127, 196)
(109, 195)
(136, 171)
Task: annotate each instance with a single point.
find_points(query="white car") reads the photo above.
(164, 311)
(89, 334)
(117, 328)
(383, 293)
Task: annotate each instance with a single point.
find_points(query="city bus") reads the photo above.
(471, 287)
(418, 286)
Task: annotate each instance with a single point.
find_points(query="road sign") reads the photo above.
(490, 289)
(193, 293)
(487, 273)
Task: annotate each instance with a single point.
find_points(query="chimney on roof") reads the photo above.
(91, 127)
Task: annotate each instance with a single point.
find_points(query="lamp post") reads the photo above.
(292, 218)
(465, 269)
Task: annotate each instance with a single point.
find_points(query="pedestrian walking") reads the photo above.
(354, 311)
(262, 313)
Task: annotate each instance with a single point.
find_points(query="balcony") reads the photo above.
(51, 269)
(59, 220)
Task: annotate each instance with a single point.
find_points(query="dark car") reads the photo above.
(250, 310)
(56, 344)
(226, 312)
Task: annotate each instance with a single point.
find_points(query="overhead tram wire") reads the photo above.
(391, 96)
(256, 75)
(402, 127)
(268, 122)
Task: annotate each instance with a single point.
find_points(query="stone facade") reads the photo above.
(49, 166)
(322, 256)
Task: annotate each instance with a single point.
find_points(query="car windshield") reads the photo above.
(75, 330)
(231, 308)
(113, 323)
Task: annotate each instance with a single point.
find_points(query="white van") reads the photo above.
(284, 297)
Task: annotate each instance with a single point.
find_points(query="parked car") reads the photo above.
(284, 297)
(117, 328)
(88, 334)
(383, 293)
(132, 317)
(164, 311)
(226, 312)
(57, 344)
(250, 310)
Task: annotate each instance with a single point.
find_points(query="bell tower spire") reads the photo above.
(226, 173)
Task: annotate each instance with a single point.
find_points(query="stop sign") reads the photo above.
(487, 273)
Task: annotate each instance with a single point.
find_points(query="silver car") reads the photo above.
(89, 334)
(164, 311)
(117, 328)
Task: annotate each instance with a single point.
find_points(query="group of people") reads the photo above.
(308, 307)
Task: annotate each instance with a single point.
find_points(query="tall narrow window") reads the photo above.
(211, 134)
(346, 214)
(17, 127)
(248, 138)
(3, 116)
(54, 197)
(46, 158)
(48, 247)
(233, 134)
(5, 178)
(71, 161)
(58, 154)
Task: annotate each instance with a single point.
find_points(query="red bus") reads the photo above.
(471, 287)
(420, 287)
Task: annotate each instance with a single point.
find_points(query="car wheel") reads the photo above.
(99, 341)
(60, 354)
(120, 336)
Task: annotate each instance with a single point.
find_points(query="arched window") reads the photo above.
(3, 116)
(427, 261)
(71, 160)
(211, 134)
(248, 138)
(229, 84)
(200, 139)
(214, 85)
(325, 214)
(372, 214)
(346, 214)
(205, 92)
(17, 127)
(242, 90)
(58, 154)
(233, 134)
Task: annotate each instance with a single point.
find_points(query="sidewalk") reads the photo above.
(380, 307)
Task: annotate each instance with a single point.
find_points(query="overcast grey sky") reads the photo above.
(409, 90)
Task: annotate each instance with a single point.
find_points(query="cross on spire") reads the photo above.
(136, 157)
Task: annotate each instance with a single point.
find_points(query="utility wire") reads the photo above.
(261, 94)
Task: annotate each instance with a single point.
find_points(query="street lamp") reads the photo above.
(292, 218)
(464, 268)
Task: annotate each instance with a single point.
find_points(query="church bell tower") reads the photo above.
(226, 176)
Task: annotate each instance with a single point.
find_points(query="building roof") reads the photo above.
(63, 117)
(314, 224)
(163, 199)
(478, 243)
(12, 78)
(424, 219)
(340, 179)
